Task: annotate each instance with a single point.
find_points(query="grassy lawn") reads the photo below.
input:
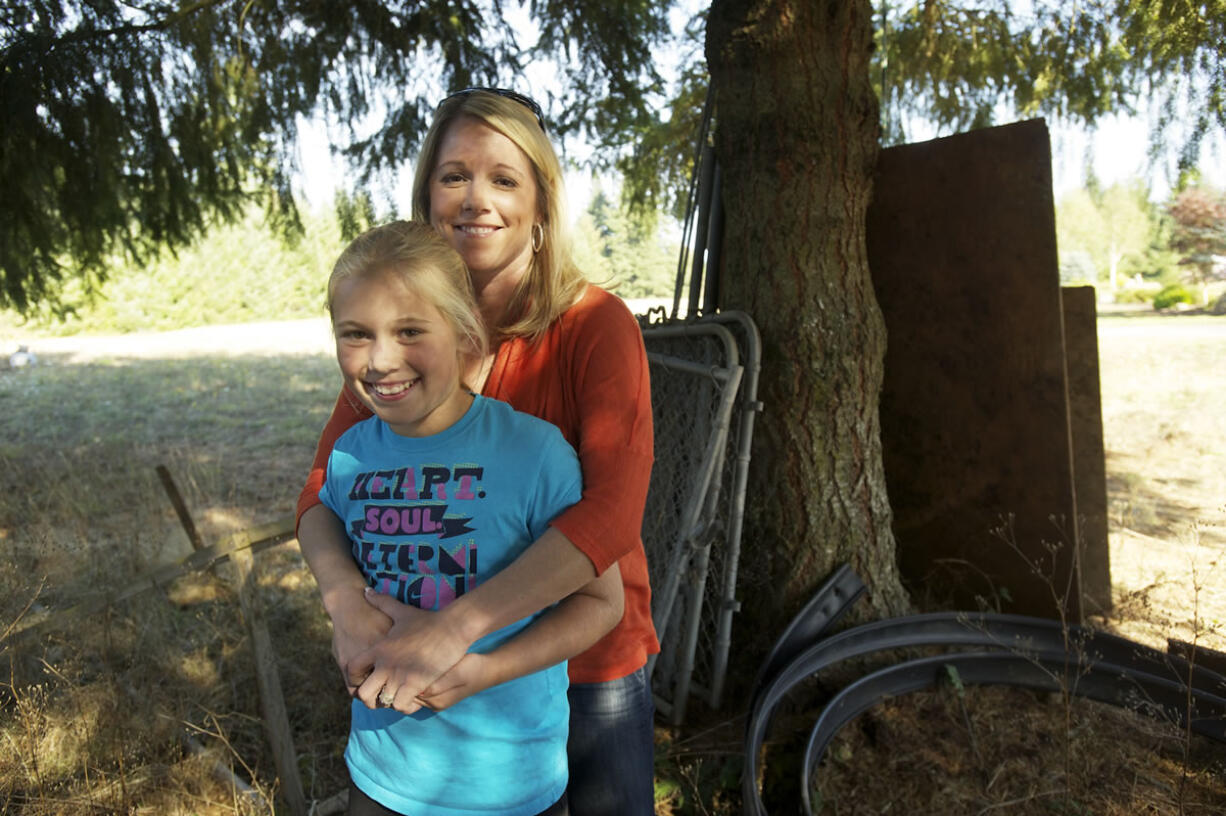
(96, 714)
(1164, 388)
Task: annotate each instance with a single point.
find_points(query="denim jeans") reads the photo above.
(611, 748)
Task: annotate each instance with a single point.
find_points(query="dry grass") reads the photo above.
(95, 713)
(1164, 389)
(1001, 750)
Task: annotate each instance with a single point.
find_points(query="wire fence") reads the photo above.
(704, 382)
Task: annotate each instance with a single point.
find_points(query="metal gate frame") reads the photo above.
(701, 530)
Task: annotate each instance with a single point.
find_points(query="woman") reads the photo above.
(488, 180)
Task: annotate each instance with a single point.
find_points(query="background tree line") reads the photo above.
(1134, 249)
(242, 272)
(1113, 237)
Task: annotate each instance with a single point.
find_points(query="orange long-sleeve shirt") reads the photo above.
(588, 376)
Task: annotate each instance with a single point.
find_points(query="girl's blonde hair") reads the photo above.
(553, 282)
(423, 261)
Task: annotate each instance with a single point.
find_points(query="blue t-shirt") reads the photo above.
(428, 519)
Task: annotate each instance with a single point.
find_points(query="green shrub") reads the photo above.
(1137, 294)
(1171, 295)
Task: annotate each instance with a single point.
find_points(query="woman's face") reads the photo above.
(483, 200)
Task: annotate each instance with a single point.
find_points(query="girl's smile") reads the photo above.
(398, 354)
(390, 391)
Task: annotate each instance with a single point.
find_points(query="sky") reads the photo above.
(1117, 148)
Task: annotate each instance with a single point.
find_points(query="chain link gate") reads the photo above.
(703, 384)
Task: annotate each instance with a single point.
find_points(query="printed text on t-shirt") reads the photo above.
(407, 543)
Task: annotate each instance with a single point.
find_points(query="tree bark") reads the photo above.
(796, 135)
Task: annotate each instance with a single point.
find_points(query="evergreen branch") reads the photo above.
(80, 35)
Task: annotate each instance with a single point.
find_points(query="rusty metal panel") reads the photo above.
(974, 408)
(1089, 452)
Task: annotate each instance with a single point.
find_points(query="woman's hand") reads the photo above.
(419, 648)
(562, 632)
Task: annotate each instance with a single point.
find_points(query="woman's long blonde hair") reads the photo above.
(419, 257)
(553, 282)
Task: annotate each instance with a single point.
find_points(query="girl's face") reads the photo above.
(398, 354)
(483, 200)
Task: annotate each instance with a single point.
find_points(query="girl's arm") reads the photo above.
(420, 648)
(356, 625)
(569, 628)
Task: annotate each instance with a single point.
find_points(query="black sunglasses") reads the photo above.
(526, 101)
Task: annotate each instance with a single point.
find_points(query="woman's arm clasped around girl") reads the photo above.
(438, 491)
(489, 182)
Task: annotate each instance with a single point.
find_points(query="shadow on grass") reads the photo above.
(258, 401)
(103, 704)
(79, 445)
(1140, 503)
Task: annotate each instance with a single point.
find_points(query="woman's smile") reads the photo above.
(475, 230)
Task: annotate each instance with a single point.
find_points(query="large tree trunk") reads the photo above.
(797, 141)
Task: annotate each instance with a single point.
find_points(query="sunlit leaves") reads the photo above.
(130, 124)
(965, 64)
(1199, 232)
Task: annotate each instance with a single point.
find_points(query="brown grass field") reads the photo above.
(140, 707)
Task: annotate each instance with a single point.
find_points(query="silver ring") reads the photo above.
(386, 699)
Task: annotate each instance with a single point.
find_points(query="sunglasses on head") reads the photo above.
(526, 101)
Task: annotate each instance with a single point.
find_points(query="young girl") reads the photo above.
(437, 491)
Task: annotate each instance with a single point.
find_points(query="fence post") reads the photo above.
(245, 581)
(176, 499)
(272, 702)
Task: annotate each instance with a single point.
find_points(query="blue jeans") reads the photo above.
(611, 748)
